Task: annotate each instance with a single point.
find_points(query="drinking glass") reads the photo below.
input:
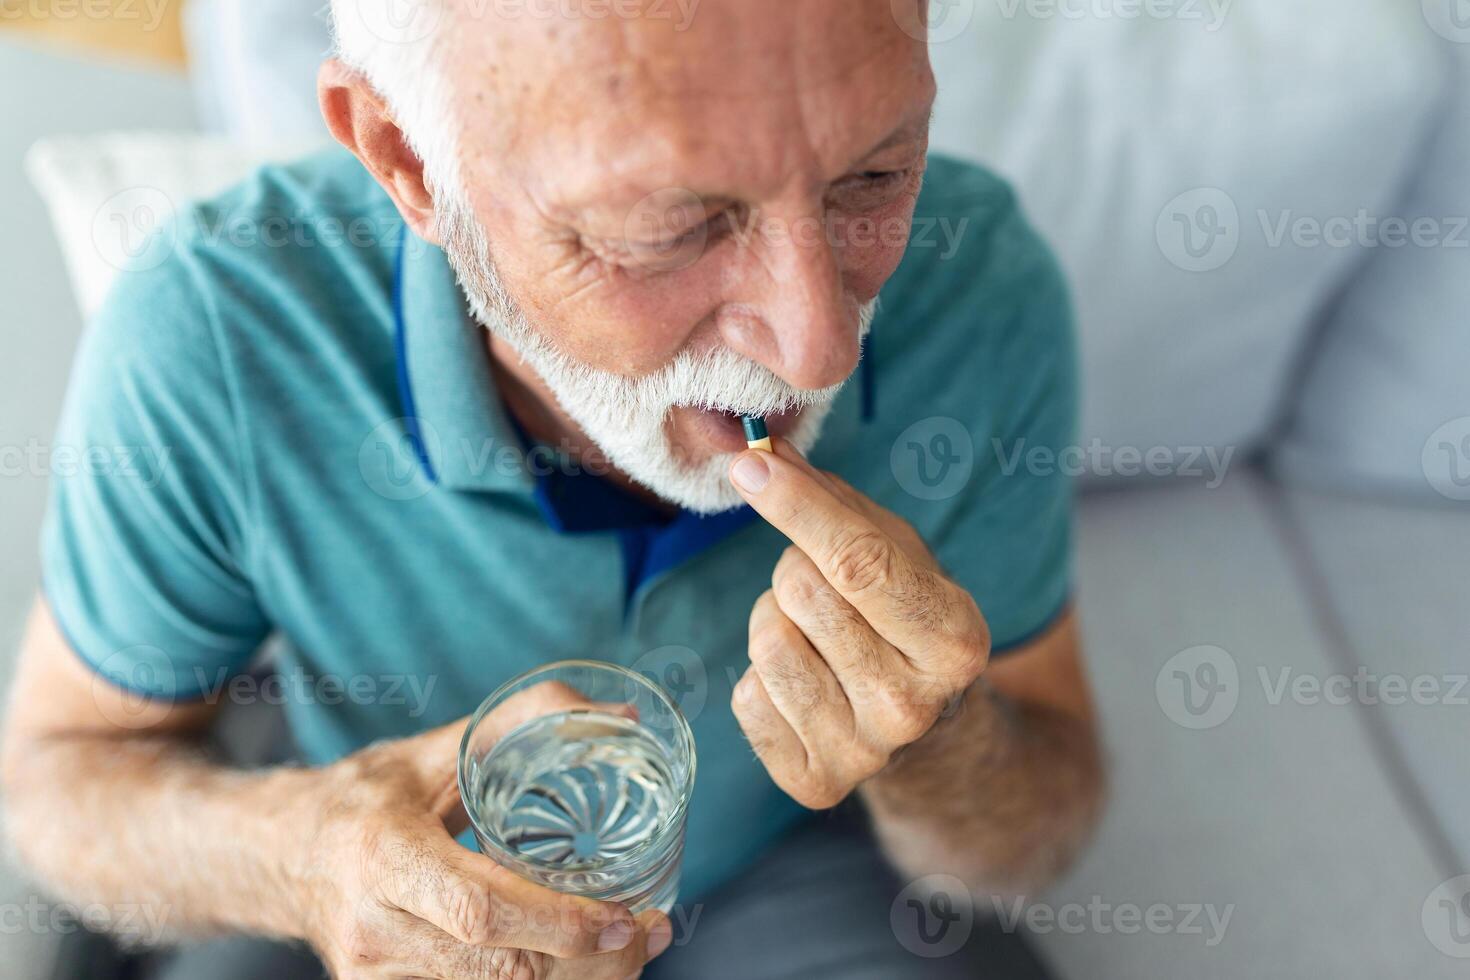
(591, 800)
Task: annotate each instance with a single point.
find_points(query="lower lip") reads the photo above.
(723, 430)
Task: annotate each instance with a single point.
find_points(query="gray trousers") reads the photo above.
(821, 905)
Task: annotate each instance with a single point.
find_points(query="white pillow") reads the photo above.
(1386, 404)
(1119, 131)
(107, 194)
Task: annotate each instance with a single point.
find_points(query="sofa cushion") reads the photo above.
(1386, 403)
(1394, 577)
(1281, 810)
(1223, 121)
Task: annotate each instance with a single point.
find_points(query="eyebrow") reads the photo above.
(908, 130)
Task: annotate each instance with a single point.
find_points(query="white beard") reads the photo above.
(626, 418)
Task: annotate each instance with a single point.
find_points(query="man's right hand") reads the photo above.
(383, 889)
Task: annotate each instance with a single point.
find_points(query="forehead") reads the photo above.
(743, 93)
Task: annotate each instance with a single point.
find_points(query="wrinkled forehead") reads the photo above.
(610, 84)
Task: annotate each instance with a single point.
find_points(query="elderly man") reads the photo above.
(469, 402)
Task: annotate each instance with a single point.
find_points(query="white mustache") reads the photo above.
(718, 379)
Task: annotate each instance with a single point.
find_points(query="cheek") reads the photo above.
(617, 321)
(873, 245)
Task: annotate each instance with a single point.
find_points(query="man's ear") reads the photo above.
(359, 119)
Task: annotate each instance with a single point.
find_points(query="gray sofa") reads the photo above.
(1322, 830)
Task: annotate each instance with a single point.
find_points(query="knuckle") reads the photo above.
(796, 585)
(767, 644)
(511, 964)
(908, 721)
(968, 634)
(861, 560)
(472, 914)
(819, 792)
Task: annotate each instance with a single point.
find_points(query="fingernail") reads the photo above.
(615, 936)
(751, 473)
(659, 938)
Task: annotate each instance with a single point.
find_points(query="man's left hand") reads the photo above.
(860, 642)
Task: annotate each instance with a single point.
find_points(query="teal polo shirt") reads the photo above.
(287, 429)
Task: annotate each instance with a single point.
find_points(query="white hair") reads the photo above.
(402, 62)
(625, 417)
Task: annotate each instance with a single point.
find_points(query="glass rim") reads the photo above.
(682, 729)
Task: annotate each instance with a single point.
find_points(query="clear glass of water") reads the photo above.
(591, 800)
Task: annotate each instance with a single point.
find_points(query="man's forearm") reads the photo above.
(148, 823)
(1002, 794)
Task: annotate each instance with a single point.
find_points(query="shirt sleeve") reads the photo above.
(145, 545)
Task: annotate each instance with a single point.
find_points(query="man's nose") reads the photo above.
(788, 309)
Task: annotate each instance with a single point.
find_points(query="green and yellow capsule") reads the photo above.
(756, 436)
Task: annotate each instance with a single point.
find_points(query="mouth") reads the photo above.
(722, 430)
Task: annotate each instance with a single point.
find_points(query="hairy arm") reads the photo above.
(112, 800)
(1005, 790)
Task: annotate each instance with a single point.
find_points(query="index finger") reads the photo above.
(902, 601)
